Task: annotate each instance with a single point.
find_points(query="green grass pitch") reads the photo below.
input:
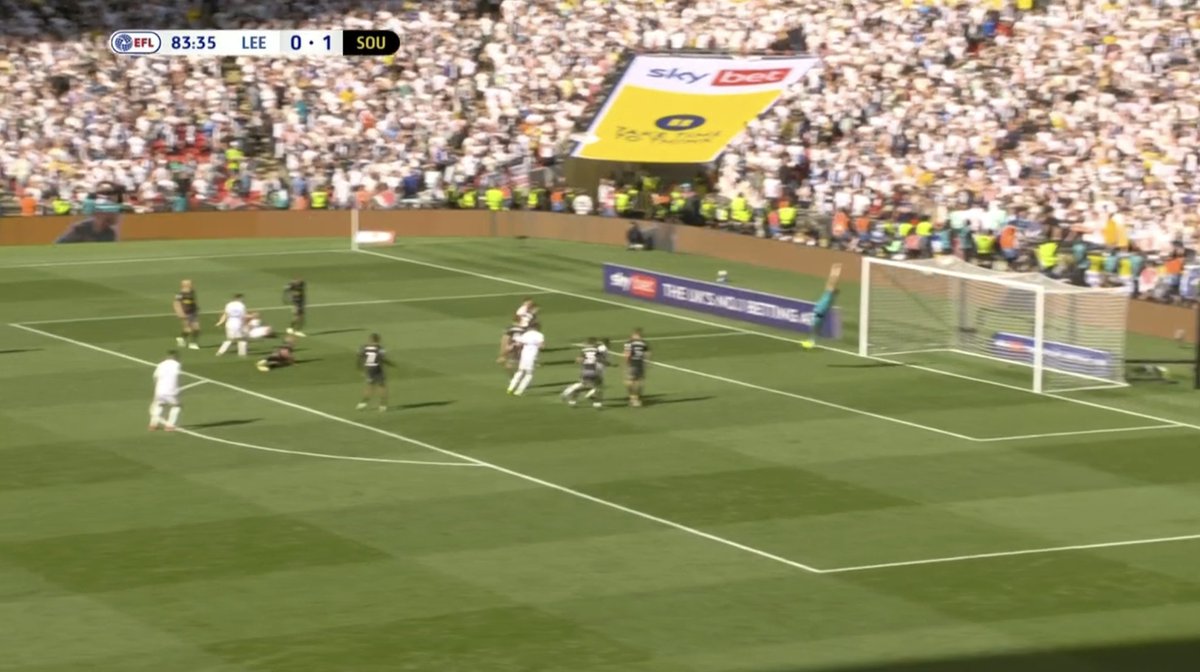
(769, 510)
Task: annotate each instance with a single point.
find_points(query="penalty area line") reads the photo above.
(326, 456)
(1082, 432)
(664, 522)
(189, 386)
(1009, 554)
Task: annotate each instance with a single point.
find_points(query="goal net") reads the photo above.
(1070, 337)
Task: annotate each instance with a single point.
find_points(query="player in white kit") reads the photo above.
(166, 393)
(526, 313)
(255, 328)
(234, 320)
(531, 343)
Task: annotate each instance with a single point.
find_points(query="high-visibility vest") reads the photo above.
(320, 199)
(62, 206)
(676, 202)
(233, 157)
(622, 202)
(905, 229)
(787, 216)
(495, 199)
(983, 243)
(468, 200)
(708, 209)
(739, 210)
(924, 227)
(534, 199)
(1047, 254)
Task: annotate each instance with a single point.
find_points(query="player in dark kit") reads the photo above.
(371, 360)
(284, 355)
(188, 312)
(295, 295)
(510, 349)
(637, 353)
(591, 362)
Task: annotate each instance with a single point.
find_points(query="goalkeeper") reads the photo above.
(824, 305)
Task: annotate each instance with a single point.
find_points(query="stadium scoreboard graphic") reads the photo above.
(270, 43)
(683, 109)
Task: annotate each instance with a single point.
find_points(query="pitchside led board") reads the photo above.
(679, 109)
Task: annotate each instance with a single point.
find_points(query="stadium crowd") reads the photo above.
(1057, 133)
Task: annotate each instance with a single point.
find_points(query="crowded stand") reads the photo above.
(1058, 135)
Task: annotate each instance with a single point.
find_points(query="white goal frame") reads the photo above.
(1039, 288)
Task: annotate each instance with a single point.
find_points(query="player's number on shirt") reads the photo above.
(589, 358)
(371, 358)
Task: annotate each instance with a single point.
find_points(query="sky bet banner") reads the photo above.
(1058, 356)
(718, 299)
(675, 109)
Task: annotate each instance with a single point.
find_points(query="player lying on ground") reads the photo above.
(256, 330)
(591, 375)
(637, 353)
(166, 393)
(188, 312)
(824, 305)
(233, 318)
(295, 294)
(531, 344)
(509, 347)
(371, 360)
(284, 355)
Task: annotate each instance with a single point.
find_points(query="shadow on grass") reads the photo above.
(17, 351)
(330, 332)
(224, 423)
(1131, 657)
(421, 404)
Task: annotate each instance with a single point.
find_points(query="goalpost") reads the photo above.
(1072, 338)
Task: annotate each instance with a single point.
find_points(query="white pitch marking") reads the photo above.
(764, 334)
(416, 442)
(813, 400)
(1007, 554)
(335, 304)
(1021, 437)
(189, 386)
(135, 260)
(327, 456)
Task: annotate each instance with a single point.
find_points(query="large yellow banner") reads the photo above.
(677, 109)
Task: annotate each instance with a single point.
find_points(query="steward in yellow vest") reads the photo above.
(61, 206)
(495, 199)
(787, 217)
(469, 200)
(740, 210)
(320, 199)
(1047, 254)
(622, 203)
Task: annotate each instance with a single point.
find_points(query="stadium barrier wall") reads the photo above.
(1148, 318)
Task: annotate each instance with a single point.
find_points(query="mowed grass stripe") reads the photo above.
(622, 597)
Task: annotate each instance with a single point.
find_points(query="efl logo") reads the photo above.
(680, 122)
(750, 77)
(645, 286)
(135, 42)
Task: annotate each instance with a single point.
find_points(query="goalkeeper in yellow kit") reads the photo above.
(824, 305)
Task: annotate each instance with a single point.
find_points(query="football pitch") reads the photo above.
(770, 509)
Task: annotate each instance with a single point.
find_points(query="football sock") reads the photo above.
(155, 414)
(224, 347)
(524, 383)
(516, 379)
(571, 390)
(173, 416)
(243, 346)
